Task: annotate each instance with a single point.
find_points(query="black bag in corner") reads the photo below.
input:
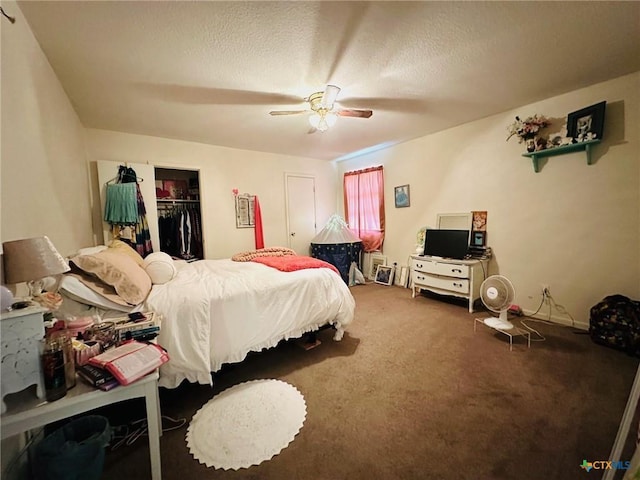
(615, 323)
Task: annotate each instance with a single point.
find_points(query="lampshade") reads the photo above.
(31, 259)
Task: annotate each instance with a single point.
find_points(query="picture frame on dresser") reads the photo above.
(478, 239)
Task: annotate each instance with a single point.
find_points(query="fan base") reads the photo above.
(498, 323)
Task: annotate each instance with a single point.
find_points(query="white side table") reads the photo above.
(28, 413)
(21, 332)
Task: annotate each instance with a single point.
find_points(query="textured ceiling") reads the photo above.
(211, 71)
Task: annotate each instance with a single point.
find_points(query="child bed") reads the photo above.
(215, 312)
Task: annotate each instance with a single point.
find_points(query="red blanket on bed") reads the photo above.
(291, 263)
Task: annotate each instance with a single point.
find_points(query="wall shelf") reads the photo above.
(552, 152)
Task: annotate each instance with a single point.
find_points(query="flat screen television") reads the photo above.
(446, 243)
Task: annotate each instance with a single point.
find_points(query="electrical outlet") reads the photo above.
(545, 289)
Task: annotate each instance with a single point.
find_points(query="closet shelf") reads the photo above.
(552, 152)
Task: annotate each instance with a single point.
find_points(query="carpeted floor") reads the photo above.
(412, 392)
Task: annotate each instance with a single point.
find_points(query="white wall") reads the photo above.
(44, 184)
(221, 170)
(44, 177)
(572, 226)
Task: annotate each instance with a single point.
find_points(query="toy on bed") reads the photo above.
(213, 312)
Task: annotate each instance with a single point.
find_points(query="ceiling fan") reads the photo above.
(322, 105)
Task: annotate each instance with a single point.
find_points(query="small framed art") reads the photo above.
(245, 211)
(478, 239)
(384, 275)
(401, 194)
(400, 278)
(588, 120)
(479, 221)
(375, 261)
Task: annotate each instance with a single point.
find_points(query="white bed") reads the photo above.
(212, 312)
(217, 311)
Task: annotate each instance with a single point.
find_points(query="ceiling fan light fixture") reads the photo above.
(322, 121)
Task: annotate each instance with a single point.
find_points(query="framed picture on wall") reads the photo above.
(401, 195)
(245, 211)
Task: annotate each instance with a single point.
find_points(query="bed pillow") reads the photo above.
(92, 291)
(160, 268)
(118, 270)
(92, 250)
(126, 249)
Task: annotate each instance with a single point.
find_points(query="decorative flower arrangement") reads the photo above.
(527, 128)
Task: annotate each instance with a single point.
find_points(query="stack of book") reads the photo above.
(97, 377)
(122, 365)
(480, 253)
(137, 326)
(131, 361)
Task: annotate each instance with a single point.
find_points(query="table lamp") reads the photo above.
(32, 260)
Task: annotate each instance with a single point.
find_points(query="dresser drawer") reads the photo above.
(426, 280)
(439, 268)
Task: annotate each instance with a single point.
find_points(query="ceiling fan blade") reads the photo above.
(287, 112)
(329, 96)
(355, 113)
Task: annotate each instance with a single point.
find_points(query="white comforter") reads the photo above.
(216, 311)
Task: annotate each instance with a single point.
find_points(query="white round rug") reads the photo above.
(246, 424)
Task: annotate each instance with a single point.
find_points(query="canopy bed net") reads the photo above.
(338, 245)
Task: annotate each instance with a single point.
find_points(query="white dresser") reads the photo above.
(460, 278)
(20, 335)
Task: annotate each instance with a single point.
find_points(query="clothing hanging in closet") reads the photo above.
(181, 232)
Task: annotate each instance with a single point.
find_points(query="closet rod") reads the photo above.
(175, 200)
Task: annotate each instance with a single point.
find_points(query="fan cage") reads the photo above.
(506, 293)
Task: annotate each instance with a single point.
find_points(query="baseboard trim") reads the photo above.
(561, 320)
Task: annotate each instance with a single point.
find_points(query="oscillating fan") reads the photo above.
(497, 293)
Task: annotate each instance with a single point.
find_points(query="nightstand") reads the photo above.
(21, 333)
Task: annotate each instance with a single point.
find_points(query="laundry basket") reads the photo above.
(75, 451)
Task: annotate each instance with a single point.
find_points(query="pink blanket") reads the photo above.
(290, 263)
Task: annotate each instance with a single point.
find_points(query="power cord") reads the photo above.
(546, 298)
(128, 434)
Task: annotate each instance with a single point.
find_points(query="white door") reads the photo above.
(109, 170)
(301, 211)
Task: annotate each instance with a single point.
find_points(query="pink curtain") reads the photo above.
(364, 206)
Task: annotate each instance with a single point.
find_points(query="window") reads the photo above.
(364, 206)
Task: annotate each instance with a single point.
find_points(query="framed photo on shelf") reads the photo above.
(401, 195)
(384, 275)
(478, 239)
(587, 120)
